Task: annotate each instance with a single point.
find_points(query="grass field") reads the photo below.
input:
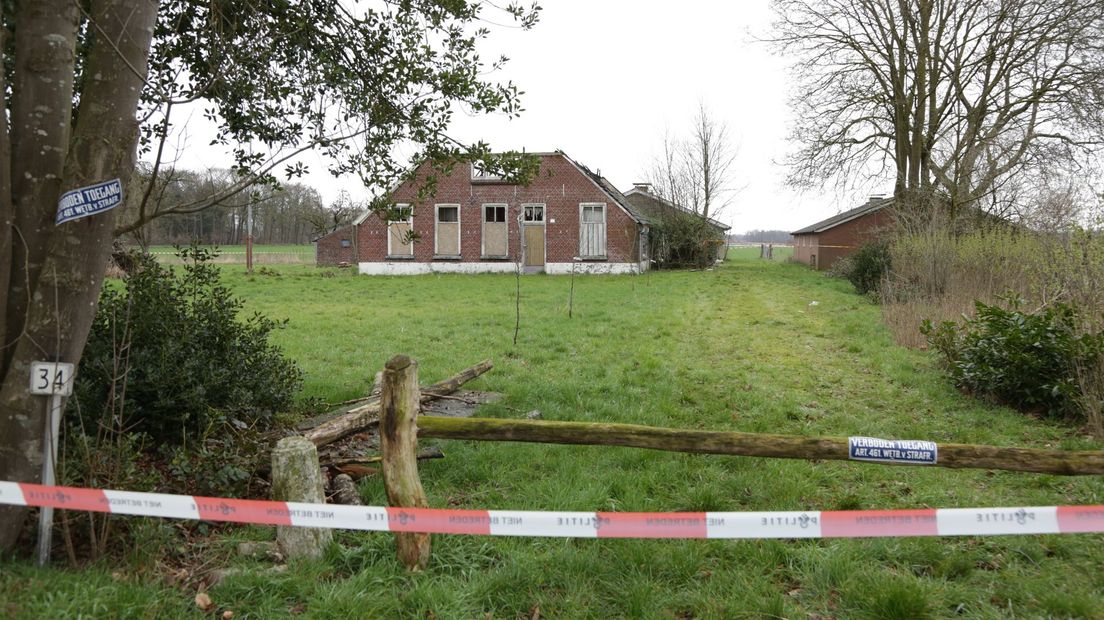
(742, 348)
(235, 254)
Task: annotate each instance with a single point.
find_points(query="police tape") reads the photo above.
(757, 525)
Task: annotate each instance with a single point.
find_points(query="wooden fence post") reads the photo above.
(399, 445)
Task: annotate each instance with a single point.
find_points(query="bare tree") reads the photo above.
(695, 172)
(667, 173)
(709, 163)
(950, 98)
(340, 213)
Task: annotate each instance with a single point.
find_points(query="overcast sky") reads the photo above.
(602, 82)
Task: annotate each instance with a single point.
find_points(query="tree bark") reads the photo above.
(7, 211)
(45, 43)
(65, 264)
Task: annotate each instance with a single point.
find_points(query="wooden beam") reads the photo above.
(399, 445)
(365, 416)
(953, 455)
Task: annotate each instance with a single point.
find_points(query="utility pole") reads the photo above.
(249, 238)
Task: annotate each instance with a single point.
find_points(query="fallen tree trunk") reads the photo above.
(953, 455)
(364, 416)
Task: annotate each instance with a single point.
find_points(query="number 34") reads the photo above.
(51, 378)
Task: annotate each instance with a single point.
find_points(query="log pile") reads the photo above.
(363, 416)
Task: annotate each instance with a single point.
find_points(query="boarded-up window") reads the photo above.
(592, 230)
(399, 236)
(448, 230)
(496, 234)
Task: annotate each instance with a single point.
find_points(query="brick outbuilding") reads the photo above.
(567, 217)
(827, 241)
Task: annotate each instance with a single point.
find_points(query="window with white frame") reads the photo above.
(592, 230)
(400, 231)
(533, 214)
(447, 238)
(496, 232)
(479, 174)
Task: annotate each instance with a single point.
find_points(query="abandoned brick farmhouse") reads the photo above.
(567, 218)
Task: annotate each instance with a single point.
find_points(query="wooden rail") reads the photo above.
(953, 455)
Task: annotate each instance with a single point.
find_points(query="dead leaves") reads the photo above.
(204, 602)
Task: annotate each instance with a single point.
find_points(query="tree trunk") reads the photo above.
(7, 211)
(66, 263)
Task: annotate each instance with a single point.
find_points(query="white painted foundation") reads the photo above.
(411, 268)
(592, 268)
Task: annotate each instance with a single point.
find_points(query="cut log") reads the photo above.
(356, 472)
(953, 455)
(345, 491)
(366, 415)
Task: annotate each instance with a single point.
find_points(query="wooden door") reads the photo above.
(534, 245)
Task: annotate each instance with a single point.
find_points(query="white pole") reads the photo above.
(49, 461)
(249, 238)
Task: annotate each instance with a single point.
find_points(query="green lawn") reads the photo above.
(235, 254)
(740, 347)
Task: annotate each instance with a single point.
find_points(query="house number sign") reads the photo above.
(51, 378)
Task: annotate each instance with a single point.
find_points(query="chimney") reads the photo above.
(643, 186)
(875, 198)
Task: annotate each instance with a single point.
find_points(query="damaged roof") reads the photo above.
(653, 206)
(611, 191)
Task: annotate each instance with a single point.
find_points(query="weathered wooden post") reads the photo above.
(296, 477)
(399, 405)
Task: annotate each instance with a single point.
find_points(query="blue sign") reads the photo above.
(892, 450)
(90, 200)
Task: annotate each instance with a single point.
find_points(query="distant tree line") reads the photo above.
(291, 214)
(761, 236)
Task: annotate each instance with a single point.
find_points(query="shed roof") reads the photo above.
(875, 203)
(654, 207)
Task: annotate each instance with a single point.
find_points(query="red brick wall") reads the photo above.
(805, 247)
(844, 239)
(328, 250)
(559, 185)
(830, 245)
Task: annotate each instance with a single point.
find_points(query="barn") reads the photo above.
(657, 209)
(567, 218)
(822, 244)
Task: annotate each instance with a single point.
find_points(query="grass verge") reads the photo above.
(742, 348)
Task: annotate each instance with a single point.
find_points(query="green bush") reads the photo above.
(175, 393)
(679, 240)
(866, 267)
(170, 356)
(1024, 359)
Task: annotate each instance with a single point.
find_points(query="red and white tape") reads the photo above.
(808, 524)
